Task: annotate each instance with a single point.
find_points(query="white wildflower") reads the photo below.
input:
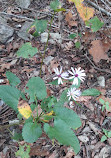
(73, 93)
(60, 75)
(77, 74)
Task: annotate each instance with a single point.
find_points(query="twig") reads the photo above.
(98, 8)
(108, 2)
(95, 67)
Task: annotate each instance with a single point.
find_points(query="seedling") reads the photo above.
(107, 134)
(105, 105)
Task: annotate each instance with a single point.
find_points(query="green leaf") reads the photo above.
(61, 9)
(27, 51)
(23, 151)
(77, 44)
(54, 82)
(38, 27)
(63, 98)
(73, 35)
(109, 134)
(91, 92)
(107, 106)
(68, 116)
(103, 107)
(101, 101)
(10, 95)
(13, 79)
(36, 87)
(103, 138)
(54, 5)
(48, 103)
(17, 136)
(63, 134)
(31, 132)
(95, 23)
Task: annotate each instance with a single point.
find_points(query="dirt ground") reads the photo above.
(64, 54)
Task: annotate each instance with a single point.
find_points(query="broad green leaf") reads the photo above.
(63, 98)
(101, 101)
(95, 23)
(36, 88)
(105, 131)
(63, 134)
(68, 116)
(91, 92)
(103, 138)
(23, 151)
(10, 95)
(54, 4)
(13, 79)
(77, 44)
(38, 27)
(31, 132)
(27, 51)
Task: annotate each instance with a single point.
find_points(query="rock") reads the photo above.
(101, 81)
(83, 138)
(54, 38)
(23, 3)
(105, 152)
(23, 31)
(5, 32)
(48, 59)
(2, 20)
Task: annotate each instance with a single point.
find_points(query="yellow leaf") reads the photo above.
(85, 12)
(24, 109)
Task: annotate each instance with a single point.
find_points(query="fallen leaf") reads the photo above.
(98, 50)
(70, 19)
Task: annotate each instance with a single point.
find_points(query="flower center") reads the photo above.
(59, 75)
(76, 75)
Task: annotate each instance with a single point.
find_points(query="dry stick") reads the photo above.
(98, 8)
(95, 67)
(108, 2)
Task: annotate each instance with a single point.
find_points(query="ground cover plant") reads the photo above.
(36, 110)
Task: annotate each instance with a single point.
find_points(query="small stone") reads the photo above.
(23, 3)
(5, 32)
(23, 31)
(101, 81)
(83, 138)
(48, 59)
(54, 38)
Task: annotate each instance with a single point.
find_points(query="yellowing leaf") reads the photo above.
(24, 109)
(85, 12)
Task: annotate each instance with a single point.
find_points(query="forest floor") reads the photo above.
(67, 55)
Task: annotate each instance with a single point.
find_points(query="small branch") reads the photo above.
(95, 67)
(98, 8)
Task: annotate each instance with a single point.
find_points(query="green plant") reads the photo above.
(23, 151)
(107, 134)
(104, 104)
(56, 120)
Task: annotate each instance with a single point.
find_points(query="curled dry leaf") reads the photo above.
(98, 50)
